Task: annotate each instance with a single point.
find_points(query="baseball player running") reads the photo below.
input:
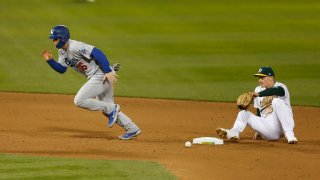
(97, 93)
(274, 113)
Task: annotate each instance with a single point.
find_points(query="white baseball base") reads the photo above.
(207, 140)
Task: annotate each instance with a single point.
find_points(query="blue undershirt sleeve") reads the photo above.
(57, 66)
(99, 56)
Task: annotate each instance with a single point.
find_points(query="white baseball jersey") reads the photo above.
(258, 100)
(78, 57)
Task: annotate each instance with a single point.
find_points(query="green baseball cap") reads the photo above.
(265, 71)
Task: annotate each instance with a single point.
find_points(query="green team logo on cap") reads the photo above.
(265, 71)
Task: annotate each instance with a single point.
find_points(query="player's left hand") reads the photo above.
(46, 54)
(111, 77)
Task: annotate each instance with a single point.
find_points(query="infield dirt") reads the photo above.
(50, 125)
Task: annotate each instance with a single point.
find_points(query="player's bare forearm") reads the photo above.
(46, 54)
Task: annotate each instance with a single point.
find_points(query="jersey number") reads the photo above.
(82, 66)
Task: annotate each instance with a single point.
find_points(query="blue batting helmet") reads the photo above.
(60, 32)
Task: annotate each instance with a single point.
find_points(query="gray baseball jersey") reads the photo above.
(78, 57)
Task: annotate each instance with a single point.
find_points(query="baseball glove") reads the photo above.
(116, 67)
(244, 100)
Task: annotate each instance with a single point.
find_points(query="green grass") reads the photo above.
(203, 50)
(28, 167)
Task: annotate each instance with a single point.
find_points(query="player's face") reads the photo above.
(266, 81)
(55, 41)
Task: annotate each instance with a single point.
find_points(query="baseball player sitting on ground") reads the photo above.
(97, 93)
(274, 114)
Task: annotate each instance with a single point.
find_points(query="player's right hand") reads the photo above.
(111, 77)
(46, 54)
